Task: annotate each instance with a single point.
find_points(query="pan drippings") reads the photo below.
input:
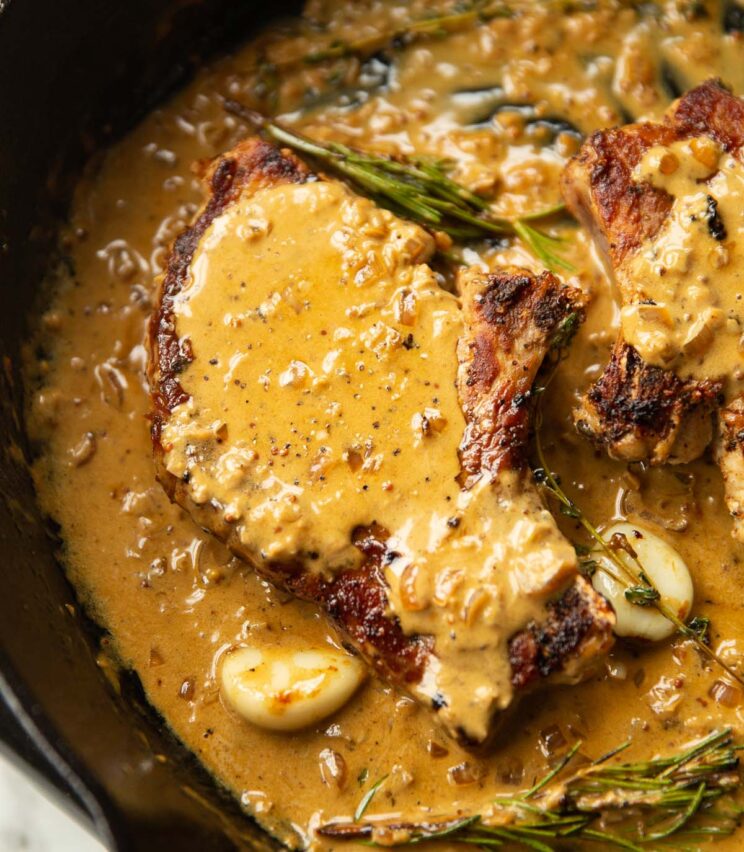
(505, 101)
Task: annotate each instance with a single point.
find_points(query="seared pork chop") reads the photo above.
(324, 407)
(666, 204)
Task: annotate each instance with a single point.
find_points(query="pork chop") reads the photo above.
(665, 203)
(326, 408)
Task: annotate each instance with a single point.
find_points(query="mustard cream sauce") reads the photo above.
(322, 398)
(173, 600)
(321, 349)
(687, 311)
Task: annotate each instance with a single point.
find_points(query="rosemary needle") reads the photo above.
(416, 188)
(431, 25)
(648, 803)
(367, 798)
(640, 589)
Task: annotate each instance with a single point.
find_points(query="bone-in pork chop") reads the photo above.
(334, 415)
(666, 204)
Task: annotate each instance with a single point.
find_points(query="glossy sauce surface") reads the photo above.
(322, 398)
(325, 329)
(687, 312)
(173, 600)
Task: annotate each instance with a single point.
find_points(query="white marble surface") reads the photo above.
(29, 822)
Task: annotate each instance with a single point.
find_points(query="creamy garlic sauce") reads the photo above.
(324, 362)
(173, 600)
(687, 302)
(323, 398)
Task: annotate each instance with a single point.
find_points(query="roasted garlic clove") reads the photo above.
(285, 690)
(665, 568)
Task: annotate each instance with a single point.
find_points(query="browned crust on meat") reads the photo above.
(511, 317)
(732, 418)
(710, 110)
(639, 411)
(514, 315)
(635, 410)
(252, 164)
(357, 601)
(621, 213)
(597, 183)
(572, 621)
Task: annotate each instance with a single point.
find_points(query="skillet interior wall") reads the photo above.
(72, 75)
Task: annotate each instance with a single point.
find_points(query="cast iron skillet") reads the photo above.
(72, 74)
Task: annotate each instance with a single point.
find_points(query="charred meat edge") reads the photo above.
(578, 622)
(636, 410)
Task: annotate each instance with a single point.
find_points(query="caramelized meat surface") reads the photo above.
(509, 320)
(652, 196)
(511, 317)
(640, 411)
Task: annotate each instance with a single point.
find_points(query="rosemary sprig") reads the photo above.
(631, 806)
(542, 245)
(417, 188)
(476, 12)
(367, 798)
(639, 588)
(463, 15)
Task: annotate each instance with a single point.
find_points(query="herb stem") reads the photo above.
(648, 802)
(625, 575)
(416, 188)
(476, 12)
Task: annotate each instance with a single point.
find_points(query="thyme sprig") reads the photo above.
(634, 806)
(416, 188)
(639, 588)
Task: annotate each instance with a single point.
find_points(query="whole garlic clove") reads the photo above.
(666, 570)
(285, 690)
